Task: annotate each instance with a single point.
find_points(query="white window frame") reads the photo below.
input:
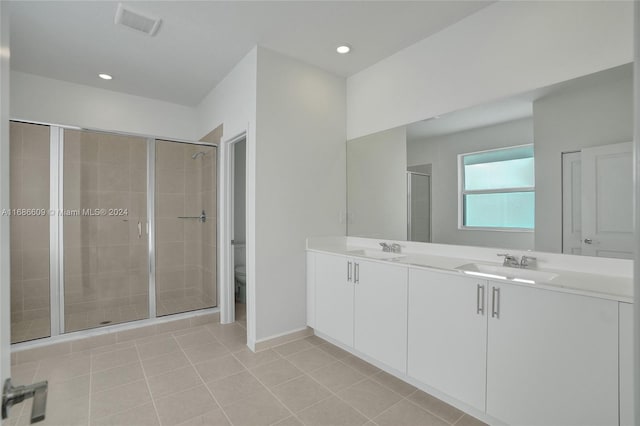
(462, 192)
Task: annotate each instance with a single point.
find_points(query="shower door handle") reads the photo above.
(202, 218)
(139, 229)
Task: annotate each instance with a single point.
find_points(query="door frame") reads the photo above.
(410, 174)
(5, 264)
(566, 197)
(226, 202)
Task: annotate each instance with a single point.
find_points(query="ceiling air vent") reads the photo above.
(129, 18)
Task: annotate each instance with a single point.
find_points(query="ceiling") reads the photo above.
(508, 109)
(483, 115)
(199, 42)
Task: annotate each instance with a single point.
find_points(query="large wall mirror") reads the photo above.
(547, 170)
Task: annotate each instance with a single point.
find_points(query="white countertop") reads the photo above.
(612, 287)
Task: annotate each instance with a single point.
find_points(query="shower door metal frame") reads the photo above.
(56, 232)
(151, 225)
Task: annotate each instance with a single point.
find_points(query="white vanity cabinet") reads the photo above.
(447, 343)
(626, 364)
(363, 305)
(552, 357)
(381, 312)
(523, 355)
(334, 297)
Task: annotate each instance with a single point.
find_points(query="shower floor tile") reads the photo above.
(100, 317)
(146, 382)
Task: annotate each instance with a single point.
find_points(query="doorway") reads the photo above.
(418, 207)
(238, 237)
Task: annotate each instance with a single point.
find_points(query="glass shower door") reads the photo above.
(30, 148)
(185, 225)
(105, 241)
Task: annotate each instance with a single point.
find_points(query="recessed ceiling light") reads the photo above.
(344, 49)
(105, 76)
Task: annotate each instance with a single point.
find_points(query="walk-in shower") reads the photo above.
(102, 230)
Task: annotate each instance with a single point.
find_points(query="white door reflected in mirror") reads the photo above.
(597, 201)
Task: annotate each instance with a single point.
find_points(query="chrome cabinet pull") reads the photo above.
(348, 271)
(588, 241)
(495, 302)
(139, 229)
(356, 279)
(480, 299)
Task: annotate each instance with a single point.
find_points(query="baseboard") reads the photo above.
(279, 339)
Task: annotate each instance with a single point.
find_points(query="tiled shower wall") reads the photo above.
(105, 256)
(186, 247)
(29, 145)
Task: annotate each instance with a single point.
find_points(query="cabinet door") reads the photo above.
(626, 364)
(448, 334)
(381, 312)
(334, 298)
(552, 358)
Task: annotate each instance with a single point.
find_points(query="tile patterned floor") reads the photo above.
(206, 376)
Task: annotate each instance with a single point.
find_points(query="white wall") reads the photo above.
(506, 48)
(43, 99)
(442, 152)
(377, 185)
(5, 276)
(300, 181)
(569, 121)
(233, 101)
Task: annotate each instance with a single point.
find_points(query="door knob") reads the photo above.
(588, 241)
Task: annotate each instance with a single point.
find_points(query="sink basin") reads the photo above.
(376, 254)
(530, 276)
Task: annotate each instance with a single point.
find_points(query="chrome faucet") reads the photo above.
(386, 247)
(391, 248)
(524, 262)
(509, 260)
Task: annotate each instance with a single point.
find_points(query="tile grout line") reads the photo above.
(370, 377)
(90, 389)
(462, 417)
(280, 356)
(403, 397)
(146, 381)
(256, 366)
(387, 409)
(431, 412)
(350, 405)
(275, 396)
(325, 387)
(332, 393)
(203, 383)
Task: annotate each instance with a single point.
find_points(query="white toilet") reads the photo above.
(241, 283)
